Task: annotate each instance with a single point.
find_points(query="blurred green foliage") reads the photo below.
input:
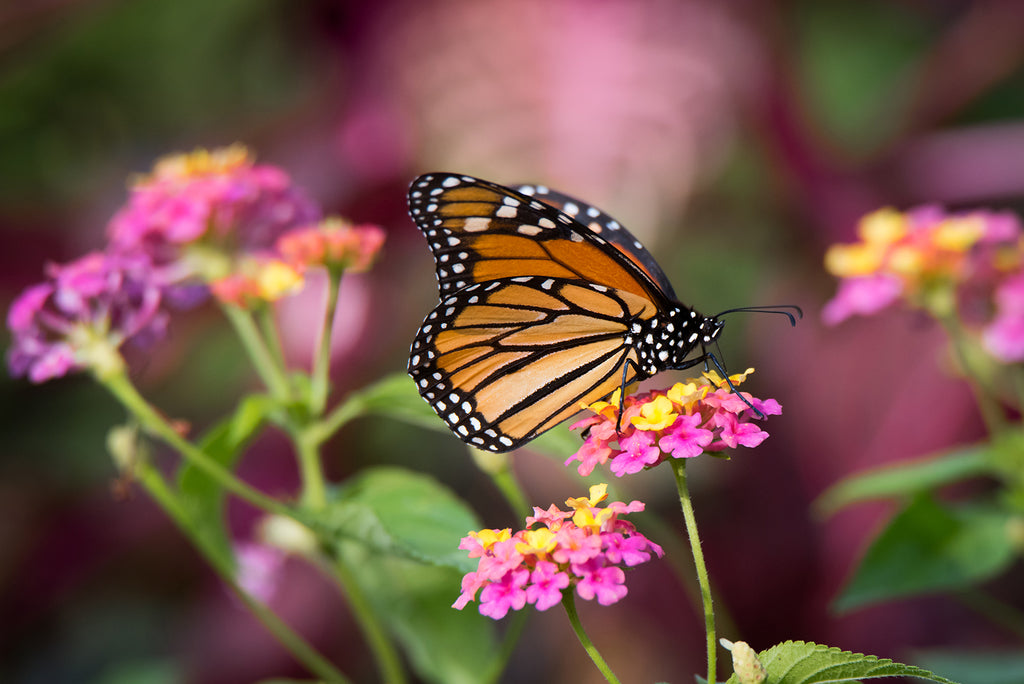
(853, 62)
(94, 87)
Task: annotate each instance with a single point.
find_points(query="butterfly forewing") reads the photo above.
(479, 232)
(503, 361)
(600, 223)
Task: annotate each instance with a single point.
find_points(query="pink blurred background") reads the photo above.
(737, 139)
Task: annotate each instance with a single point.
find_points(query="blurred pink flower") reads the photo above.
(1004, 336)
(82, 313)
(259, 569)
(624, 102)
(926, 257)
(863, 296)
(219, 199)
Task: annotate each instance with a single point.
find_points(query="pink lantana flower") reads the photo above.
(700, 415)
(194, 212)
(926, 257)
(1004, 336)
(546, 585)
(259, 569)
(334, 243)
(82, 314)
(580, 548)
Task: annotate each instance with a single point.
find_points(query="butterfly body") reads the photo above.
(546, 303)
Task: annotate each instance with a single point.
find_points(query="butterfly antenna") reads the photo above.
(790, 311)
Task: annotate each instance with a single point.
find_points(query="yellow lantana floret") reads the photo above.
(598, 493)
(883, 227)
(488, 538)
(277, 278)
(958, 233)
(656, 415)
(202, 162)
(539, 542)
(859, 259)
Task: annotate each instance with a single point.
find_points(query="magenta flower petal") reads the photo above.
(559, 549)
(96, 299)
(685, 437)
(865, 295)
(497, 598)
(606, 584)
(546, 585)
(638, 453)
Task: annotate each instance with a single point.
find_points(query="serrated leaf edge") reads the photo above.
(766, 657)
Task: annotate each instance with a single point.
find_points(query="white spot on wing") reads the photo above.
(476, 224)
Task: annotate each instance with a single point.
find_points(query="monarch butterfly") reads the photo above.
(546, 303)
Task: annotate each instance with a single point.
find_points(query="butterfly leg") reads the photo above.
(725, 374)
(622, 392)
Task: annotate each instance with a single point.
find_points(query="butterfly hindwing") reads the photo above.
(503, 361)
(480, 231)
(600, 223)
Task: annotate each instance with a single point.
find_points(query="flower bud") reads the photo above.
(745, 664)
(287, 535)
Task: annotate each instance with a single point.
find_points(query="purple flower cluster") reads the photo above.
(182, 227)
(581, 548)
(68, 322)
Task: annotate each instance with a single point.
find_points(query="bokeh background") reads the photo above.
(737, 139)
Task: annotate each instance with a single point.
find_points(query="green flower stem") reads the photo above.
(301, 650)
(389, 663)
(998, 612)
(988, 405)
(322, 360)
(677, 554)
(498, 467)
(351, 407)
(1017, 379)
(569, 603)
(314, 490)
(679, 468)
(268, 326)
(151, 420)
(272, 375)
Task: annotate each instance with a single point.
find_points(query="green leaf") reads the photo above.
(799, 662)
(559, 442)
(443, 644)
(971, 667)
(401, 513)
(927, 548)
(853, 88)
(201, 495)
(398, 533)
(396, 396)
(906, 478)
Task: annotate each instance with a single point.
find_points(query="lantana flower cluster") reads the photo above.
(580, 549)
(84, 310)
(211, 220)
(969, 265)
(699, 415)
